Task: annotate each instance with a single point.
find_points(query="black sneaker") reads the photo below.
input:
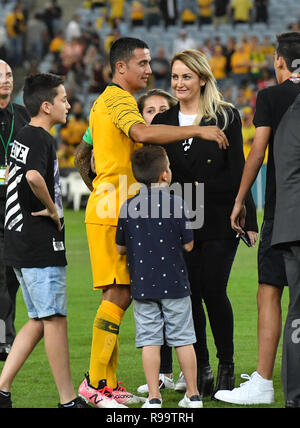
(77, 403)
(3, 356)
(5, 400)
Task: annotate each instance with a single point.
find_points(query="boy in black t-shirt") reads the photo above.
(152, 229)
(272, 103)
(34, 238)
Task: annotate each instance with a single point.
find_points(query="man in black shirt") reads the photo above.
(169, 11)
(261, 10)
(272, 104)
(221, 12)
(286, 235)
(12, 118)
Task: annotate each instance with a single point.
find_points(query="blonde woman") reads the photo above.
(200, 161)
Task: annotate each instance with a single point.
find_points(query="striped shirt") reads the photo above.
(111, 118)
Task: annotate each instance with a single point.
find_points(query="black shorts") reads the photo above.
(271, 268)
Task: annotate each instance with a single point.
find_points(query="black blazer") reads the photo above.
(219, 170)
(286, 227)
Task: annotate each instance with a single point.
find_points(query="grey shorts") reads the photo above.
(162, 321)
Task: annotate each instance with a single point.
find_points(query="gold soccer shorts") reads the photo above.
(108, 266)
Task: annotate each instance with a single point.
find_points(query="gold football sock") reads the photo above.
(111, 371)
(105, 340)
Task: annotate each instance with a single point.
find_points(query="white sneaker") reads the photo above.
(164, 383)
(181, 383)
(256, 390)
(155, 403)
(193, 402)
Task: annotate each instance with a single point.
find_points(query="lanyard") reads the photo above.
(6, 145)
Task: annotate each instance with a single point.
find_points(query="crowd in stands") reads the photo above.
(242, 64)
(184, 12)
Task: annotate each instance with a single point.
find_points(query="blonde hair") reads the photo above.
(212, 102)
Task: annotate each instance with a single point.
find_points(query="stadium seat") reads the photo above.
(75, 188)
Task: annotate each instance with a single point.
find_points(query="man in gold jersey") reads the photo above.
(117, 130)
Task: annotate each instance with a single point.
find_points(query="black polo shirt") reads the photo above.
(21, 118)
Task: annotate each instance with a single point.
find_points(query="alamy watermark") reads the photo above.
(296, 332)
(296, 72)
(139, 208)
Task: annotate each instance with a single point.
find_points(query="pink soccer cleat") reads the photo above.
(101, 397)
(122, 396)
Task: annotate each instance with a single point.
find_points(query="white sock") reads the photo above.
(262, 379)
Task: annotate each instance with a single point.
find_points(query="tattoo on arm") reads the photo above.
(83, 163)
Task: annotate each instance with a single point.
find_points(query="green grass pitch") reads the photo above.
(34, 386)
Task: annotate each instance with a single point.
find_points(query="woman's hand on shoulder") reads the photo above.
(213, 133)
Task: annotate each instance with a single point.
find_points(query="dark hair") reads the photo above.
(38, 89)
(148, 163)
(122, 50)
(288, 47)
(172, 101)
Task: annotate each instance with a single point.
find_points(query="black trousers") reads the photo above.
(209, 266)
(8, 290)
(291, 338)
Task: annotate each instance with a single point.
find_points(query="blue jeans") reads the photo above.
(44, 290)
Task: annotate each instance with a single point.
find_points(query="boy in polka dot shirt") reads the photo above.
(153, 231)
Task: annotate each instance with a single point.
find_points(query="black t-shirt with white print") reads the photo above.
(32, 241)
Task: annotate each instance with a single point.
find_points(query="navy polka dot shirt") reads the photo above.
(154, 226)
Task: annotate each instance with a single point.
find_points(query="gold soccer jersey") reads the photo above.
(111, 118)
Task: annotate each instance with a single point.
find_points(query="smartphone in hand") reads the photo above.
(245, 238)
